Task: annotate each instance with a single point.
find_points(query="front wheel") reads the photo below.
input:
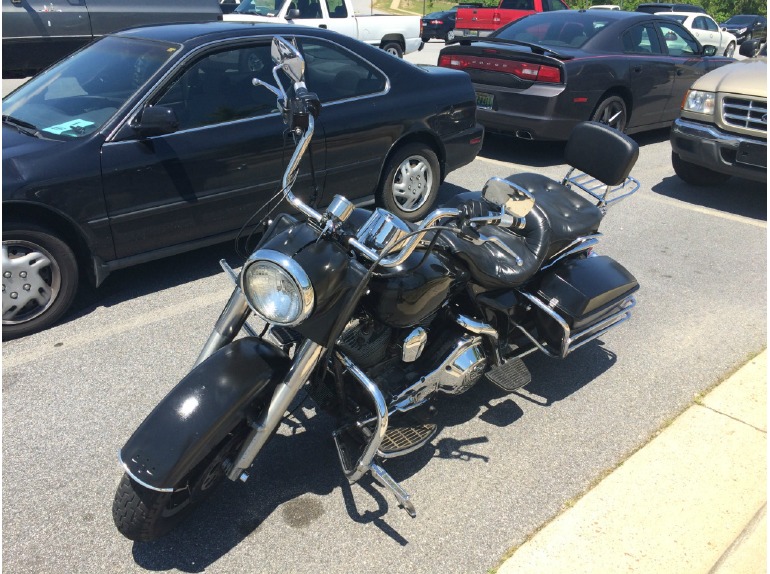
(450, 37)
(695, 174)
(409, 185)
(730, 50)
(394, 49)
(144, 515)
(40, 278)
(612, 112)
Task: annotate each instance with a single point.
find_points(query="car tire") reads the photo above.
(611, 111)
(425, 39)
(695, 174)
(40, 278)
(394, 49)
(409, 183)
(730, 50)
(450, 37)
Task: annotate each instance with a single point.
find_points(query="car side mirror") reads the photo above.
(292, 14)
(709, 50)
(155, 121)
(515, 200)
(750, 48)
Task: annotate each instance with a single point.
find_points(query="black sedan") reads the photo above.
(439, 25)
(746, 26)
(539, 76)
(155, 141)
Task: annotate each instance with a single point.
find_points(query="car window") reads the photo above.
(309, 9)
(679, 42)
(336, 8)
(217, 87)
(518, 4)
(678, 17)
(337, 74)
(641, 39)
(711, 26)
(259, 7)
(552, 5)
(77, 96)
(553, 32)
(699, 23)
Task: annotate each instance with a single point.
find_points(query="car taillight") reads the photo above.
(523, 70)
(436, 22)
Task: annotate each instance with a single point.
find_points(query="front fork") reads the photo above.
(306, 358)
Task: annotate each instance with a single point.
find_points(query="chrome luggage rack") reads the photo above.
(603, 193)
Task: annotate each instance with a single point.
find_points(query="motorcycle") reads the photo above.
(375, 317)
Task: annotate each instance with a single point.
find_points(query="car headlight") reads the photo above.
(699, 102)
(742, 30)
(277, 288)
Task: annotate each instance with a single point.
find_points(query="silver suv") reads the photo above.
(722, 128)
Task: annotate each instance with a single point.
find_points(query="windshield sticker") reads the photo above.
(78, 127)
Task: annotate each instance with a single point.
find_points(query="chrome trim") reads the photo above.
(305, 360)
(414, 344)
(709, 132)
(340, 208)
(364, 463)
(138, 480)
(294, 269)
(479, 328)
(591, 186)
(578, 245)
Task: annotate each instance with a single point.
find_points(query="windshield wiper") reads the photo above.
(22, 126)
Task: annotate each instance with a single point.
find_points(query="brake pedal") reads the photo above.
(510, 376)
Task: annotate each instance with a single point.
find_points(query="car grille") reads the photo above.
(744, 113)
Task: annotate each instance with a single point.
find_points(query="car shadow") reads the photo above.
(506, 148)
(737, 196)
(296, 474)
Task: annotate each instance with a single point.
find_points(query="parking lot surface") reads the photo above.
(501, 466)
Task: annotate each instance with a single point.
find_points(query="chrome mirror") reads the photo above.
(286, 56)
(515, 200)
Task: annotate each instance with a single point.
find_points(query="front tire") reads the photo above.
(612, 112)
(730, 50)
(394, 49)
(143, 515)
(695, 174)
(450, 37)
(40, 278)
(409, 185)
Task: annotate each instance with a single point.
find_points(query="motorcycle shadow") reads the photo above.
(297, 472)
(736, 196)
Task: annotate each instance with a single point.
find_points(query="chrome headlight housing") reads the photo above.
(700, 102)
(277, 288)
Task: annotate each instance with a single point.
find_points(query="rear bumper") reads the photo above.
(708, 146)
(463, 148)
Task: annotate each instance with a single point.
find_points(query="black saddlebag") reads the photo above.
(581, 299)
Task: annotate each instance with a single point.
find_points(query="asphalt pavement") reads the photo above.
(547, 470)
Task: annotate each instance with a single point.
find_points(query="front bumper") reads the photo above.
(708, 146)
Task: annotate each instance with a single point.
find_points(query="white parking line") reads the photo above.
(707, 211)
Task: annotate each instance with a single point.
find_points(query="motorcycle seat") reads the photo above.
(569, 214)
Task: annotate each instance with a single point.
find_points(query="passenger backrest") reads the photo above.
(601, 152)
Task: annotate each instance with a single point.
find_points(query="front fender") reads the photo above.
(200, 411)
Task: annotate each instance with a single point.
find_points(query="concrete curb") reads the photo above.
(692, 500)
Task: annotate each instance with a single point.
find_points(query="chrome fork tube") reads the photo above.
(305, 360)
(228, 325)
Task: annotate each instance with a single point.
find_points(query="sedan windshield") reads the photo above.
(740, 20)
(553, 32)
(259, 7)
(77, 96)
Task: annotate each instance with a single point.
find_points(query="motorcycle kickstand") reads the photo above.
(403, 497)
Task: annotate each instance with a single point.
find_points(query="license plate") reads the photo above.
(750, 154)
(472, 33)
(484, 101)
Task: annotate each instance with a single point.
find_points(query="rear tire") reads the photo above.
(450, 37)
(695, 174)
(143, 515)
(612, 111)
(409, 184)
(40, 278)
(394, 49)
(730, 50)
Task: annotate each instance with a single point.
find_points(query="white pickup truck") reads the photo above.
(398, 35)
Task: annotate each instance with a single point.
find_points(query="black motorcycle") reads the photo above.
(375, 316)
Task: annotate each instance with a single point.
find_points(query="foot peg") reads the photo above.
(511, 375)
(381, 475)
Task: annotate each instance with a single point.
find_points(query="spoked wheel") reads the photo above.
(143, 514)
(612, 112)
(394, 49)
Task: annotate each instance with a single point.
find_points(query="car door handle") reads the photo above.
(637, 69)
(679, 72)
(322, 26)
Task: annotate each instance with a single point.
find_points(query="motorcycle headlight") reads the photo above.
(699, 102)
(277, 288)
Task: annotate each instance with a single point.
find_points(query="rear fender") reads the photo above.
(200, 411)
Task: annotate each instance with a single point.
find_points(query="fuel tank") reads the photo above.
(411, 292)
